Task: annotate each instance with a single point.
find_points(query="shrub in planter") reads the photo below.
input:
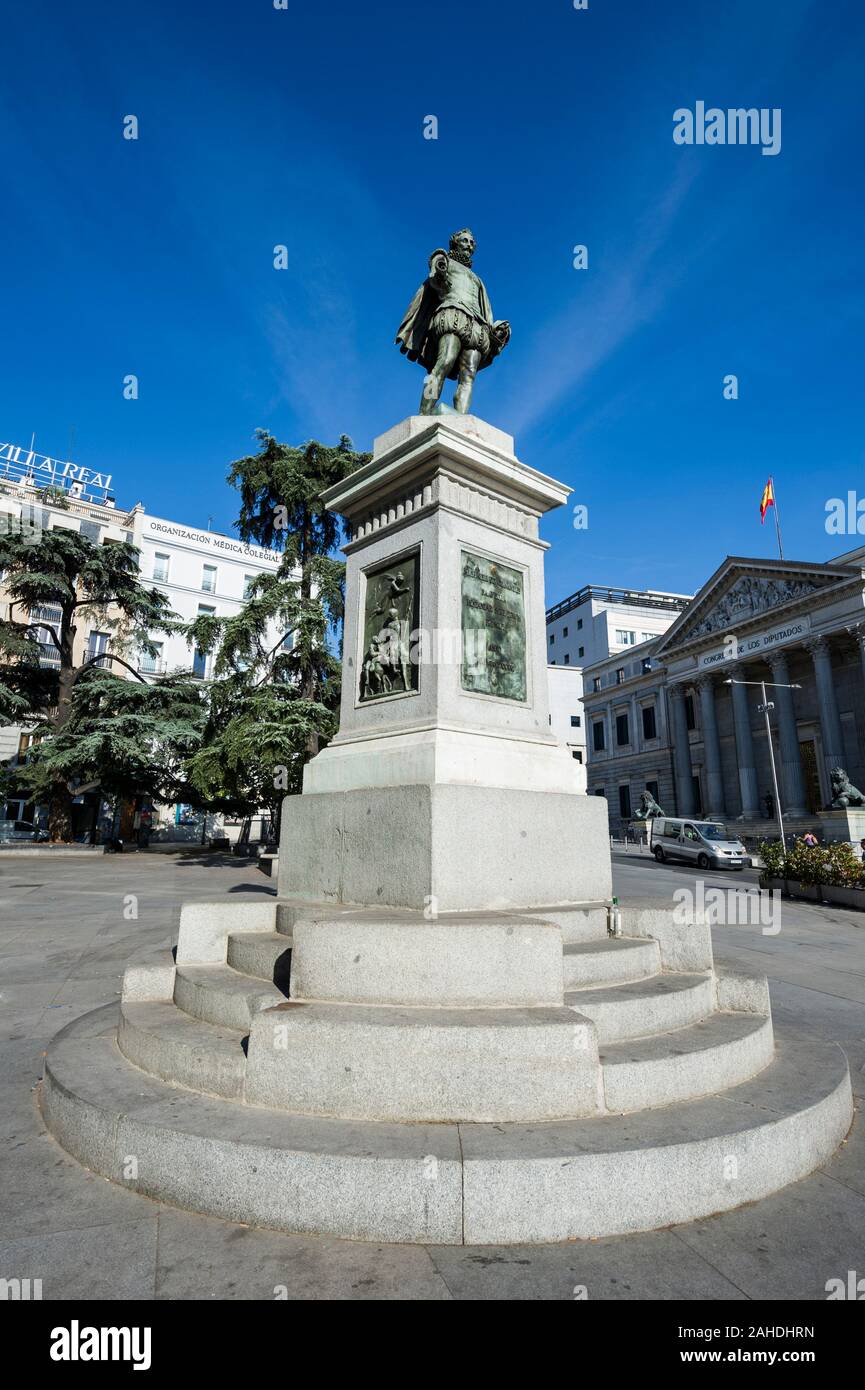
(771, 853)
(835, 865)
(807, 863)
(844, 866)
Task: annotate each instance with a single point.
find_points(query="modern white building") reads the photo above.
(200, 572)
(567, 720)
(600, 620)
(595, 623)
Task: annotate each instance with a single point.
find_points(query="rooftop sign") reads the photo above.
(24, 465)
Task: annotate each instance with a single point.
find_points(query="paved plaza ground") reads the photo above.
(66, 932)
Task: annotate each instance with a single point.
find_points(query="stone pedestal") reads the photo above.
(445, 847)
(445, 784)
(846, 824)
(430, 1035)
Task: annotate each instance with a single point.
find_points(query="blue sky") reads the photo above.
(305, 127)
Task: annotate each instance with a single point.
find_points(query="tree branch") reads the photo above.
(106, 656)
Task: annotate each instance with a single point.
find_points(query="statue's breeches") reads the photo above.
(470, 331)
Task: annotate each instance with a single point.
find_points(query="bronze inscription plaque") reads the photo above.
(494, 628)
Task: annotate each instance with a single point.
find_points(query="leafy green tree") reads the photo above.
(65, 571)
(128, 737)
(272, 702)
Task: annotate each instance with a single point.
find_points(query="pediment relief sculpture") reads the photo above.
(750, 596)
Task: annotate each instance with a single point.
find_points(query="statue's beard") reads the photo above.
(464, 257)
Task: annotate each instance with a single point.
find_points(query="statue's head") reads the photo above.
(462, 246)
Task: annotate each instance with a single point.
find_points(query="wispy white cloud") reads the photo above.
(570, 346)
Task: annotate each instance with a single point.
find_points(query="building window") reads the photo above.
(208, 579)
(199, 659)
(248, 581)
(564, 632)
(654, 790)
(581, 652)
(576, 721)
(690, 722)
(648, 636)
(649, 726)
(622, 731)
(160, 568)
(596, 683)
(53, 614)
(567, 658)
(620, 676)
(25, 743)
(579, 624)
(624, 638)
(646, 664)
(97, 646)
(598, 741)
(625, 802)
(552, 638)
(152, 665)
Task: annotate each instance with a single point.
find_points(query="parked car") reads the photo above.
(706, 843)
(12, 831)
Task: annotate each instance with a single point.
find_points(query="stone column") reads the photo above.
(792, 781)
(681, 752)
(857, 631)
(830, 719)
(711, 748)
(748, 787)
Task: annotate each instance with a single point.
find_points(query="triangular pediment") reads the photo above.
(742, 592)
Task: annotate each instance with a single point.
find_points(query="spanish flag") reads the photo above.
(766, 501)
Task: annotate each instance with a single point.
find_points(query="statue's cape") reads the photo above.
(414, 336)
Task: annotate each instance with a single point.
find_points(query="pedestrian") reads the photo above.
(810, 839)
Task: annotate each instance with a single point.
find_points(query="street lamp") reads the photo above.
(764, 708)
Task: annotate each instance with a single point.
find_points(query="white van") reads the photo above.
(706, 843)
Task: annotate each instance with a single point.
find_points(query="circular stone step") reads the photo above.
(700, 1060)
(161, 1039)
(615, 961)
(364, 1062)
(264, 955)
(444, 1184)
(657, 1005)
(217, 994)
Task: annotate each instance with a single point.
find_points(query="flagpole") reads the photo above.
(777, 519)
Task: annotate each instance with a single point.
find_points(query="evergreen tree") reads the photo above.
(128, 737)
(272, 704)
(65, 571)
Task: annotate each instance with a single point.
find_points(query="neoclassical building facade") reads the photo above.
(683, 715)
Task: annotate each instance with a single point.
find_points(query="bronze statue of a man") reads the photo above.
(449, 326)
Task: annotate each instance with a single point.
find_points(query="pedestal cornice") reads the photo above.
(456, 453)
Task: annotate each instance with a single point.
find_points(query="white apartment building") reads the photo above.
(198, 570)
(600, 620)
